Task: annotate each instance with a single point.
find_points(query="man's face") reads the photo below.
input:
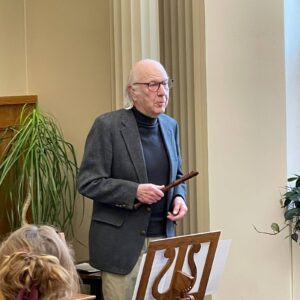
(146, 100)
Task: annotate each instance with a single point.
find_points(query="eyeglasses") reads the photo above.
(154, 86)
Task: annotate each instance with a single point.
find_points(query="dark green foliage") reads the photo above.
(38, 162)
(291, 206)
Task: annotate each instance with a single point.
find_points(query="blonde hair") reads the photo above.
(24, 272)
(44, 246)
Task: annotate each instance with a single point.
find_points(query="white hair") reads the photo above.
(128, 102)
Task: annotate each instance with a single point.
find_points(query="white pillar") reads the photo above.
(134, 36)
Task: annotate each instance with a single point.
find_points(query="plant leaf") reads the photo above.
(291, 213)
(287, 202)
(290, 179)
(294, 237)
(275, 227)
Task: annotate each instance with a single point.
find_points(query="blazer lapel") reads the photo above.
(170, 146)
(131, 136)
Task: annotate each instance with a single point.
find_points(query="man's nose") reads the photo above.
(162, 90)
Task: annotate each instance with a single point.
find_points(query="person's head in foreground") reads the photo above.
(36, 263)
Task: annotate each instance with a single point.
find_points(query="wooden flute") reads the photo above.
(173, 184)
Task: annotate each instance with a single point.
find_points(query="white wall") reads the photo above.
(59, 50)
(12, 50)
(247, 143)
(68, 50)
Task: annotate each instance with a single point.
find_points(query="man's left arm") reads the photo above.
(179, 209)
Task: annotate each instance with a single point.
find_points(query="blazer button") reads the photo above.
(148, 208)
(143, 232)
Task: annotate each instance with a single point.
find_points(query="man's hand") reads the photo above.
(179, 209)
(149, 193)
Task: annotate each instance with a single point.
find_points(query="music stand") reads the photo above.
(178, 253)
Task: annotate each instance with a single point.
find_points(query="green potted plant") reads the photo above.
(38, 170)
(290, 202)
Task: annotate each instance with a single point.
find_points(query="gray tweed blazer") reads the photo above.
(112, 168)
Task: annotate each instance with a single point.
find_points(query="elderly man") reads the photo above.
(130, 155)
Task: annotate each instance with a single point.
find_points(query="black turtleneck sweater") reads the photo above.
(157, 165)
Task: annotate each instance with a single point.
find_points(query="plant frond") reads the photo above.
(44, 165)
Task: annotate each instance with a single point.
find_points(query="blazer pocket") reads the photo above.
(110, 215)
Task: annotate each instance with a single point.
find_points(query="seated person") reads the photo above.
(36, 264)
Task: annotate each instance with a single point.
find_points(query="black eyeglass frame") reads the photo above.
(154, 86)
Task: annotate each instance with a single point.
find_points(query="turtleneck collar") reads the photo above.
(143, 119)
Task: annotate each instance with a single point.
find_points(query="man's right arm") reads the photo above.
(95, 180)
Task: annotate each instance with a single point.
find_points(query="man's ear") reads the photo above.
(131, 92)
